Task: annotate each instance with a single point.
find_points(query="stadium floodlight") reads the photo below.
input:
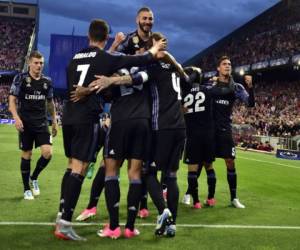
(299, 62)
(242, 72)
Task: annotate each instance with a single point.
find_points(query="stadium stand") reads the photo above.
(271, 35)
(268, 48)
(276, 112)
(15, 36)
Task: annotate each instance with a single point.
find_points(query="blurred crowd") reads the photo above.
(257, 145)
(4, 90)
(14, 40)
(277, 109)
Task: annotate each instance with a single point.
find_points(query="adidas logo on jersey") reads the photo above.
(112, 152)
(153, 164)
(165, 65)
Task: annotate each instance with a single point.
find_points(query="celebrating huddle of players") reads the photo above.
(157, 109)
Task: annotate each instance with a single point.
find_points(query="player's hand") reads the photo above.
(106, 122)
(120, 37)
(101, 82)
(54, 129)
(248, 81)
(19, 124)
(158, 46)
(79, 93)
(214, 79)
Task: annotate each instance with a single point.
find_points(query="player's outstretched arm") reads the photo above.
(103, 82)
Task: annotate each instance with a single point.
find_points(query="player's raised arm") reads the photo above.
(124, 61)
(119, 38)
(242, 94)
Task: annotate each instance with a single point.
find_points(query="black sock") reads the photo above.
(173, 195)
(144, 196)
(163, 180)
(97, 187)
(155, 191)
(72, 192)
(112, 197)
(188, 191)
(40, 165)
(133, 199)
(193, 186)
(211, 182)
(232, 181)
(63, 188)
(200, 166)
(25, 172)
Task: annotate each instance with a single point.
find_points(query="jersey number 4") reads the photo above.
(176, 85)
(189, 100)
(84, 69)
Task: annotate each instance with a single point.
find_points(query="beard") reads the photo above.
(145, 27)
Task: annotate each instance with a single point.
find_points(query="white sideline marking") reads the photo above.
(27, 223)
(270, 162)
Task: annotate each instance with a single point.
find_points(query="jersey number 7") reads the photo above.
(84, 69)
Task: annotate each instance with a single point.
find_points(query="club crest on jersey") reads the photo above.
(135, 39)
(45, 85)
(28, 81)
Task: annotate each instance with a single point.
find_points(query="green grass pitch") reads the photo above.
(269, 187)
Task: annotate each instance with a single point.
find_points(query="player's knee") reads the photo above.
(134, 174)
(208, 166)
(193, 168)
(110, 171)
(230, 164)
(26, 154)
(47, 155)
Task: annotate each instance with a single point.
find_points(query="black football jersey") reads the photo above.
(130, 101)
(197, 102)
(132, 43)
(166, 97)
(224, 96)
(32, 97)
(82, 70)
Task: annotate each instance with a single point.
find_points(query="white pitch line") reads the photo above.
(26, 223)
(270, 162)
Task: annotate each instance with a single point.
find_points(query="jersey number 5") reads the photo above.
(199, 98)
(84, 69)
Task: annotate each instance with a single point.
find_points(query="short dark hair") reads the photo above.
(144, 9)
(35, 54)
(98, 30)
(222, 58)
